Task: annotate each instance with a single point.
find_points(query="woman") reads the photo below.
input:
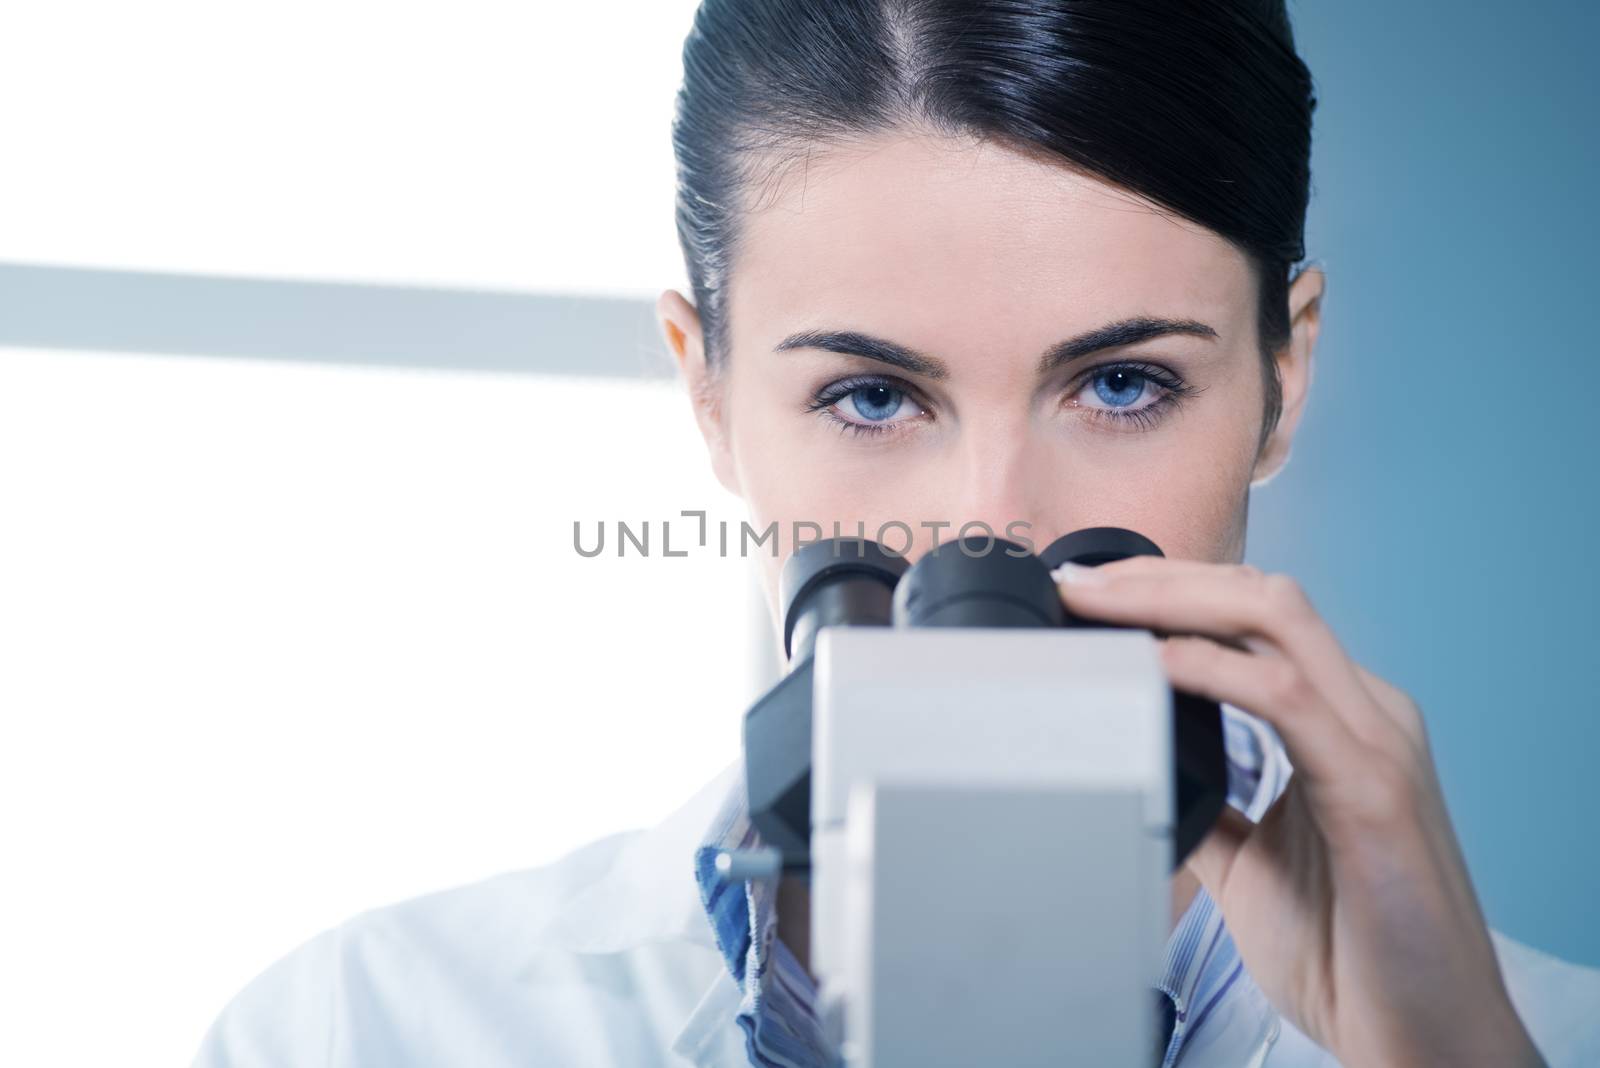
(988, 261)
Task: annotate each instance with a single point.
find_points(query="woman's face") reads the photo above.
(1060, 354)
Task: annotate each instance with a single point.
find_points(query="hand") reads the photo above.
(1349, 901)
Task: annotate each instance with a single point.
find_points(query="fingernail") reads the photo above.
(1078, 575)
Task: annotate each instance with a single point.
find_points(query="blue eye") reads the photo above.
(1131, 394)
(875, 402)
(866, 405)
(1119, 387)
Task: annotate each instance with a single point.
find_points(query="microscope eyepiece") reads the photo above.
(837, 581)
(1093, 546)
(978, 582)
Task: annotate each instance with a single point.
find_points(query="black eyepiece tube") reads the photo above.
(1093, 546)
(978, 582)
(836, 581)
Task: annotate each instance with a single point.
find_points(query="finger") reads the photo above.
(1070, 576)
(1219, 600)
(1129, 566)
(1274, 687)
(1235, 604)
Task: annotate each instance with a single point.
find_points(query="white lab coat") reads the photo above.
(606, 958)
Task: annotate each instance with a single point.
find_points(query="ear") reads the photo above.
(1294, 362)
(681, 329)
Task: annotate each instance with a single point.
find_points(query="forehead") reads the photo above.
(951, 242)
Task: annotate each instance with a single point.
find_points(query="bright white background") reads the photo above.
(280, 642)
(285, 642)
(489, 143)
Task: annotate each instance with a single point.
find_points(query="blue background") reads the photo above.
(1440, 504)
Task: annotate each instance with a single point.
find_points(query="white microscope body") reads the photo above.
(992, 818)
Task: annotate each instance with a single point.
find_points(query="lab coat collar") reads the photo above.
(648, 893)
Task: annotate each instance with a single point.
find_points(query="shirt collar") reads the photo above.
(776, 1005)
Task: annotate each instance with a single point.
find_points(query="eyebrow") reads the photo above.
(1111, 335)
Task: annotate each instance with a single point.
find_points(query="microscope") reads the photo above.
(986, 796)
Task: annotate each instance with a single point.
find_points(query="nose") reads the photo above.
(1005, 480)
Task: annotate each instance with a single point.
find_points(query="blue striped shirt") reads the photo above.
(777, 1011)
